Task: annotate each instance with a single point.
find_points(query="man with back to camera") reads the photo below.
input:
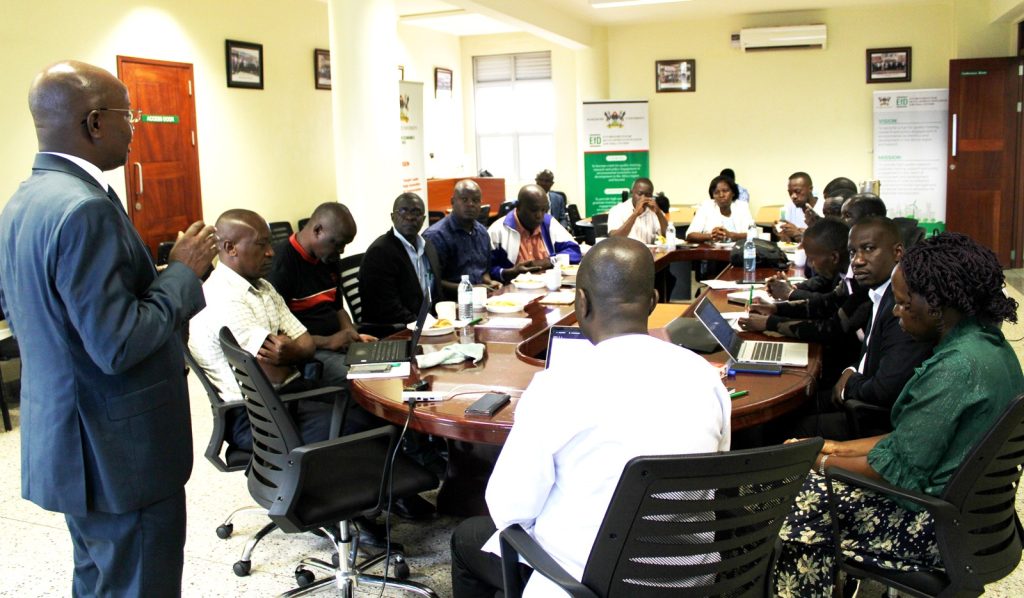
(545, 179)
(462, 243)
(527, 238)
(572, 437)
(640, 219)
(801, 194)
(400, 268)
(106, 433)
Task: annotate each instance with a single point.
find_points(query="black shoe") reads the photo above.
(413, 507)
(371, 533)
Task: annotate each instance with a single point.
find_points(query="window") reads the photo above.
(515, 114)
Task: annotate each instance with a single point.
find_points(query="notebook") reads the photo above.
(389, 351)
(748, 351)
(566, 343)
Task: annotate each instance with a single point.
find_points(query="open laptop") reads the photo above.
(565, 344)
(389, 351)
(748, 351)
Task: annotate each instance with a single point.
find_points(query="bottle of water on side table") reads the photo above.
(750, 255)
(465, 299)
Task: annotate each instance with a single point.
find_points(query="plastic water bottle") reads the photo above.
(750, 254)
(670, 235)
(465, 299)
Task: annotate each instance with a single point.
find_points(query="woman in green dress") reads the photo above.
(948, 290)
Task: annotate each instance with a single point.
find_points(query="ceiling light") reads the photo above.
(620, 3)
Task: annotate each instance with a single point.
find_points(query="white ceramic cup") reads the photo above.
(479, 297)
(561, 260)
(799, 258)
(447, 310)
(553, 279)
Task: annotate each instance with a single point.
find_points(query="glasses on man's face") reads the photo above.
(410, 212)
(133, 116)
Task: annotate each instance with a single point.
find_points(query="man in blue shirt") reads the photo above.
(463, 246)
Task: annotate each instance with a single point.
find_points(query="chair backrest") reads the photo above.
(697, 525)
(163, 252)
(279, 231)
(302, 223)
(503, 210)
(986, 544)
(768, 213)
(574, 215)
(434, 216)
(485, 215)
(349, 285)
(274, 434)
(600, 222)
(220, 408)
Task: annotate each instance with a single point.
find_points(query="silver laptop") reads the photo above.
(565, 344)
(748, 351)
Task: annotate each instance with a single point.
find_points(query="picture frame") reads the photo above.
(243, 64)
(888, 65)
(401, 72)
(677, 75)
(442, 83)
(322, 68)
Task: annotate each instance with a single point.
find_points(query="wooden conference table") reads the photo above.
(513, 356)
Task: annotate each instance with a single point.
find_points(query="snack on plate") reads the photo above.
(528, 278)
(442, 323)
(498, 302)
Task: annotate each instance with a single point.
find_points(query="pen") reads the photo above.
(750, 298)
(738, 394)
(474, 321)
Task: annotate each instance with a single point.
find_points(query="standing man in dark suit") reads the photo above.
(399, 268)
(106, 432)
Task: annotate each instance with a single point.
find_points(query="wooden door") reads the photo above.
(984, 165)
(162, 172)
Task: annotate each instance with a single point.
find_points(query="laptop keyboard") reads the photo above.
(766, 352)
(383, 351)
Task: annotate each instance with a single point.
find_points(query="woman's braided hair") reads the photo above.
(952, 270)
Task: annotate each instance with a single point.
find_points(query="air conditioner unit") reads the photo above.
(780, 38)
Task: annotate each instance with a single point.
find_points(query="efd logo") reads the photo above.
(902, 101)
(595, 140)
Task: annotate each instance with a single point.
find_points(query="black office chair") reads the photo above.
(349, 286)
(323, 486)
(434, 216)
(864, 420)
(280, 231)
(163, 252)
(976, 525)
(600, 222)
(485, 215)
(302, 223)
(503, 211)
(9, 351)
(681, 526)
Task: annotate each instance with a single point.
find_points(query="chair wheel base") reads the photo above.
(242, 568)
(400, 569)
(224, 531)
(304, 577)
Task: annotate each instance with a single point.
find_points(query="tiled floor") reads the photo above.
(37, 552)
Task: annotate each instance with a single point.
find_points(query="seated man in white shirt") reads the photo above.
(575, 430)
(801, 193)
(238, 297)
(639, 219)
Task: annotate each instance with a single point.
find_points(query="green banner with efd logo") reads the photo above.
(616, 150)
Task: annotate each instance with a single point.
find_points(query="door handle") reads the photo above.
(138, 175)
(953, 144)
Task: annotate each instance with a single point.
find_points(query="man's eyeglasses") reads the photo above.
(133, 115)
(410, 212)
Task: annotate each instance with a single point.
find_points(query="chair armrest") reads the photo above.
(338, 413)
(940, 509)
(316, 393)
(857, 411)
(515, 542)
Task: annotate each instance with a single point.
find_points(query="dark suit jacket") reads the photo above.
(892, 356)
(105, 422)
(559, 208)
(388, 288)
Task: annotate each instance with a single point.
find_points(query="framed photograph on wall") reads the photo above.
(442, 83)
(675, 75)
(888, 65)
(401, 72)
(244, 64)
(322, 68)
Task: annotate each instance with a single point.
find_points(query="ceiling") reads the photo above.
(451, 19)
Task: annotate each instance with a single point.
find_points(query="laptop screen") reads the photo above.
(420, 319)
(709, 315)
(566, 343)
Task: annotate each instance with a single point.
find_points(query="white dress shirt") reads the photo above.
(646, 227)
(709, 216)
(251, 312)
(93, 170)
(575, 429)
(876, 297)
(795, 215)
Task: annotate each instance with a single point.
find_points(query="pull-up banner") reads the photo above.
(616, 150)
(410, 104)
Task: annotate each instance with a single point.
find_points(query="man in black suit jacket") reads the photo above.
(399, 267)
(559, 204)
(890, 355)
(105, 429)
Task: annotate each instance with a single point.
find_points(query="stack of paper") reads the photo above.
(506, 323)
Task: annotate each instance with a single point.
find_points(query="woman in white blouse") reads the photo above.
(720, 219)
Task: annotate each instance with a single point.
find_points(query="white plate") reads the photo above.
(504, 309)
(432, 331)
(528, 285)
(728, 245)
